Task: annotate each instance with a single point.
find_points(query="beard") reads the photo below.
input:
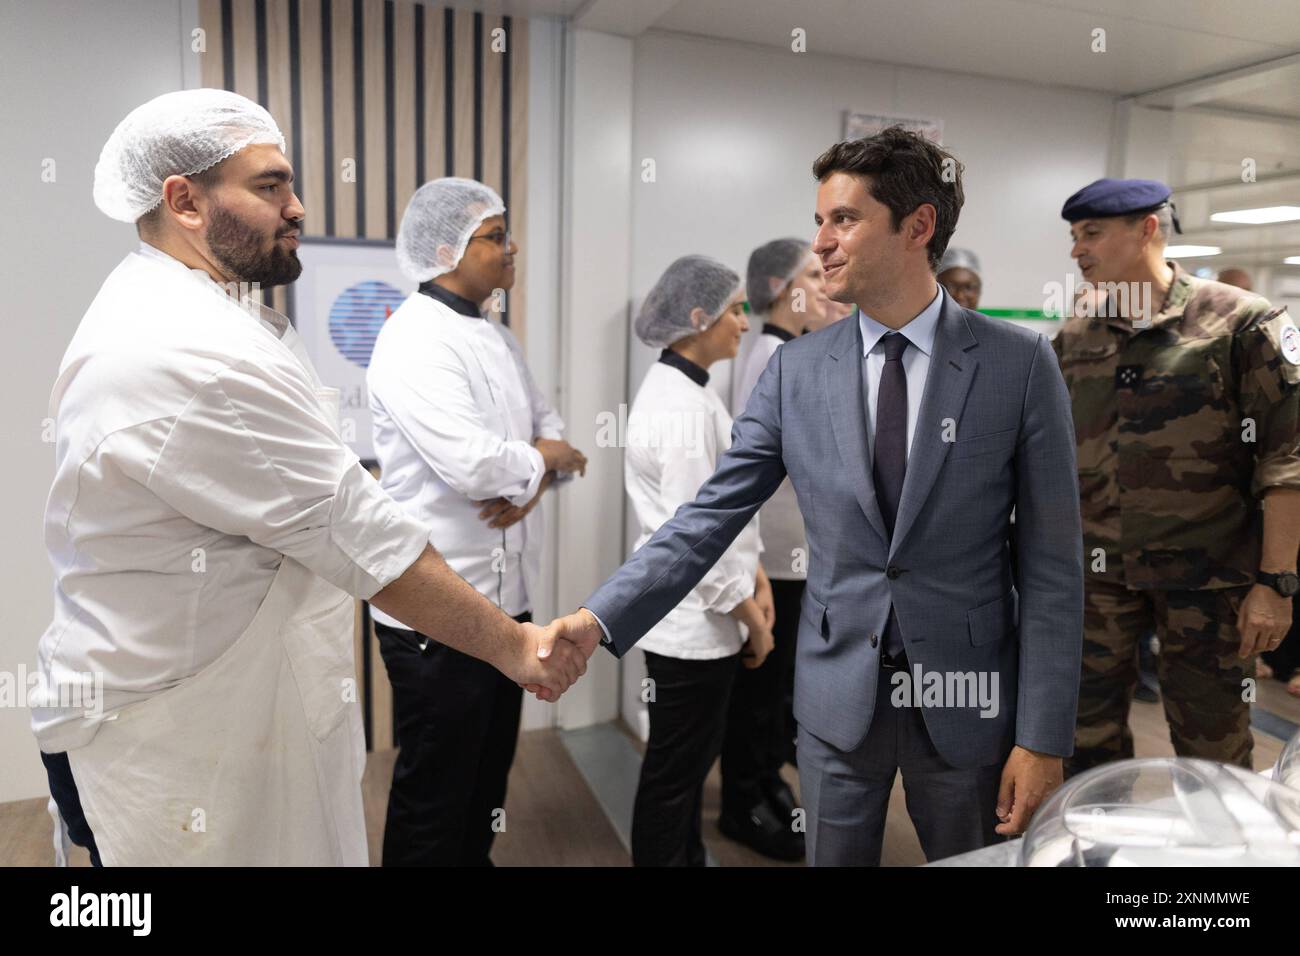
(239, 249)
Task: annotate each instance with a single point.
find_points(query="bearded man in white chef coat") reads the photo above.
(209, 530)
(466, 442)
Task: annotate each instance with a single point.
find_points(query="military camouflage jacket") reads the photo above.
(1181, 427)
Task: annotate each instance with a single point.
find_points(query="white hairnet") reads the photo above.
(692, 282)
(438, 222)
(176, 134)
(779, 259)
(958, 259)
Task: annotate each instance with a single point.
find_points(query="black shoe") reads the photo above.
(780, 798)
(762, 831)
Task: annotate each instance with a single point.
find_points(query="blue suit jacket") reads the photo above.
(994, 433)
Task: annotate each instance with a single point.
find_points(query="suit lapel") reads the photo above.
(947, 383)
(844, 396)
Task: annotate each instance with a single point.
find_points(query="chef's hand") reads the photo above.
(757, 648)
(500, 513)
(763, 598)
(1028, 777)
(544, 662)
(580, 631)
(559, 455)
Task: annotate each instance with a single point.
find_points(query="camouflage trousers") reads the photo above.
(1202, 681)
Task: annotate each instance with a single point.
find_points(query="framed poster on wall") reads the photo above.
(348, 288)
(857, 125)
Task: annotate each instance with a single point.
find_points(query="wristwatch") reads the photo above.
(1285, 583)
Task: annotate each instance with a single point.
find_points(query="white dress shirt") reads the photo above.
(193, 453)
(919, 333)
(676, 431)
(783, 535)
(455, 412)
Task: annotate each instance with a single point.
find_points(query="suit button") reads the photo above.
(892, 572)
(875, 639)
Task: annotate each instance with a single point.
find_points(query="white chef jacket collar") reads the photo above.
(277, 323)
(919, 332)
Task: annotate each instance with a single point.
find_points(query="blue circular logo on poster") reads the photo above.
(357, 315)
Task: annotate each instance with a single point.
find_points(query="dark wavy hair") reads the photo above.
(903, 170)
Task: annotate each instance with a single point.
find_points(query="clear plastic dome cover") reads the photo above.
(1169, 811)
(1287, 770)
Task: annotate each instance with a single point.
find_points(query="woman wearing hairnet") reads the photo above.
(788, 291)
(468, 444)
(677, 429)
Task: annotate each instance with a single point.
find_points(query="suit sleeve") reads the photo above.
(665, 569)
(1049, 543)
(683, 472)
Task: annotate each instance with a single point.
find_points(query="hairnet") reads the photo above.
(779, 259)
(176, 134)
(442, 215)
(692, 282)
(958, 259)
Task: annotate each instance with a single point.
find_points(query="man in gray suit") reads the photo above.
(909, 430)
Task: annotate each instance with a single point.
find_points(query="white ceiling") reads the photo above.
(1228, 73)
(1149, 43)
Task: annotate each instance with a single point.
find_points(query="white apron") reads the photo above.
(255, 760)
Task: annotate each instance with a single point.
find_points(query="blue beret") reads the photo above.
(1115, 197)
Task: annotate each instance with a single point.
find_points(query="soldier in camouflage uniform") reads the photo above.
(1186, 415)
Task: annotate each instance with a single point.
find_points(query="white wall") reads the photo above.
(734, 129)
(594, 282)
(65, 84)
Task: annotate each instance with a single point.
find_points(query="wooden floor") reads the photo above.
(553, 819)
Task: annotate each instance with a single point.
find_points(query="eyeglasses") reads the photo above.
(500, 237)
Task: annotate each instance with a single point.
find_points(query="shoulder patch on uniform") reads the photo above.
(1289, 341)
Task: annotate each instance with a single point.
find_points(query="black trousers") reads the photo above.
(456, 726)
(688, 716)
(759, 729)
(64, 791)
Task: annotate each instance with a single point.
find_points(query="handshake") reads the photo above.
(550, 659)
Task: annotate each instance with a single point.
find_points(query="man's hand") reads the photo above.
(544, 663)
(1263, 620)
(559, 455)
(757, 647)
(579, 633)
(500, 513)
(1028, 777)
(763, 598)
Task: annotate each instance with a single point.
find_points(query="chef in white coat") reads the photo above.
(787, 291)
(467, 443)
(209, 530)
(677, 429)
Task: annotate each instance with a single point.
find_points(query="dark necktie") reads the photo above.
(890, 463)
(891, 429)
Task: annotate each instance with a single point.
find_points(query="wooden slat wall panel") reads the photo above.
(403, 118)
(210, 68)
(463, 94)
(279, 99)
(245, 42)
(376, 121)
(312, 171)
(344, 120)
(407, 94)
(490, 129)
(435, 139)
